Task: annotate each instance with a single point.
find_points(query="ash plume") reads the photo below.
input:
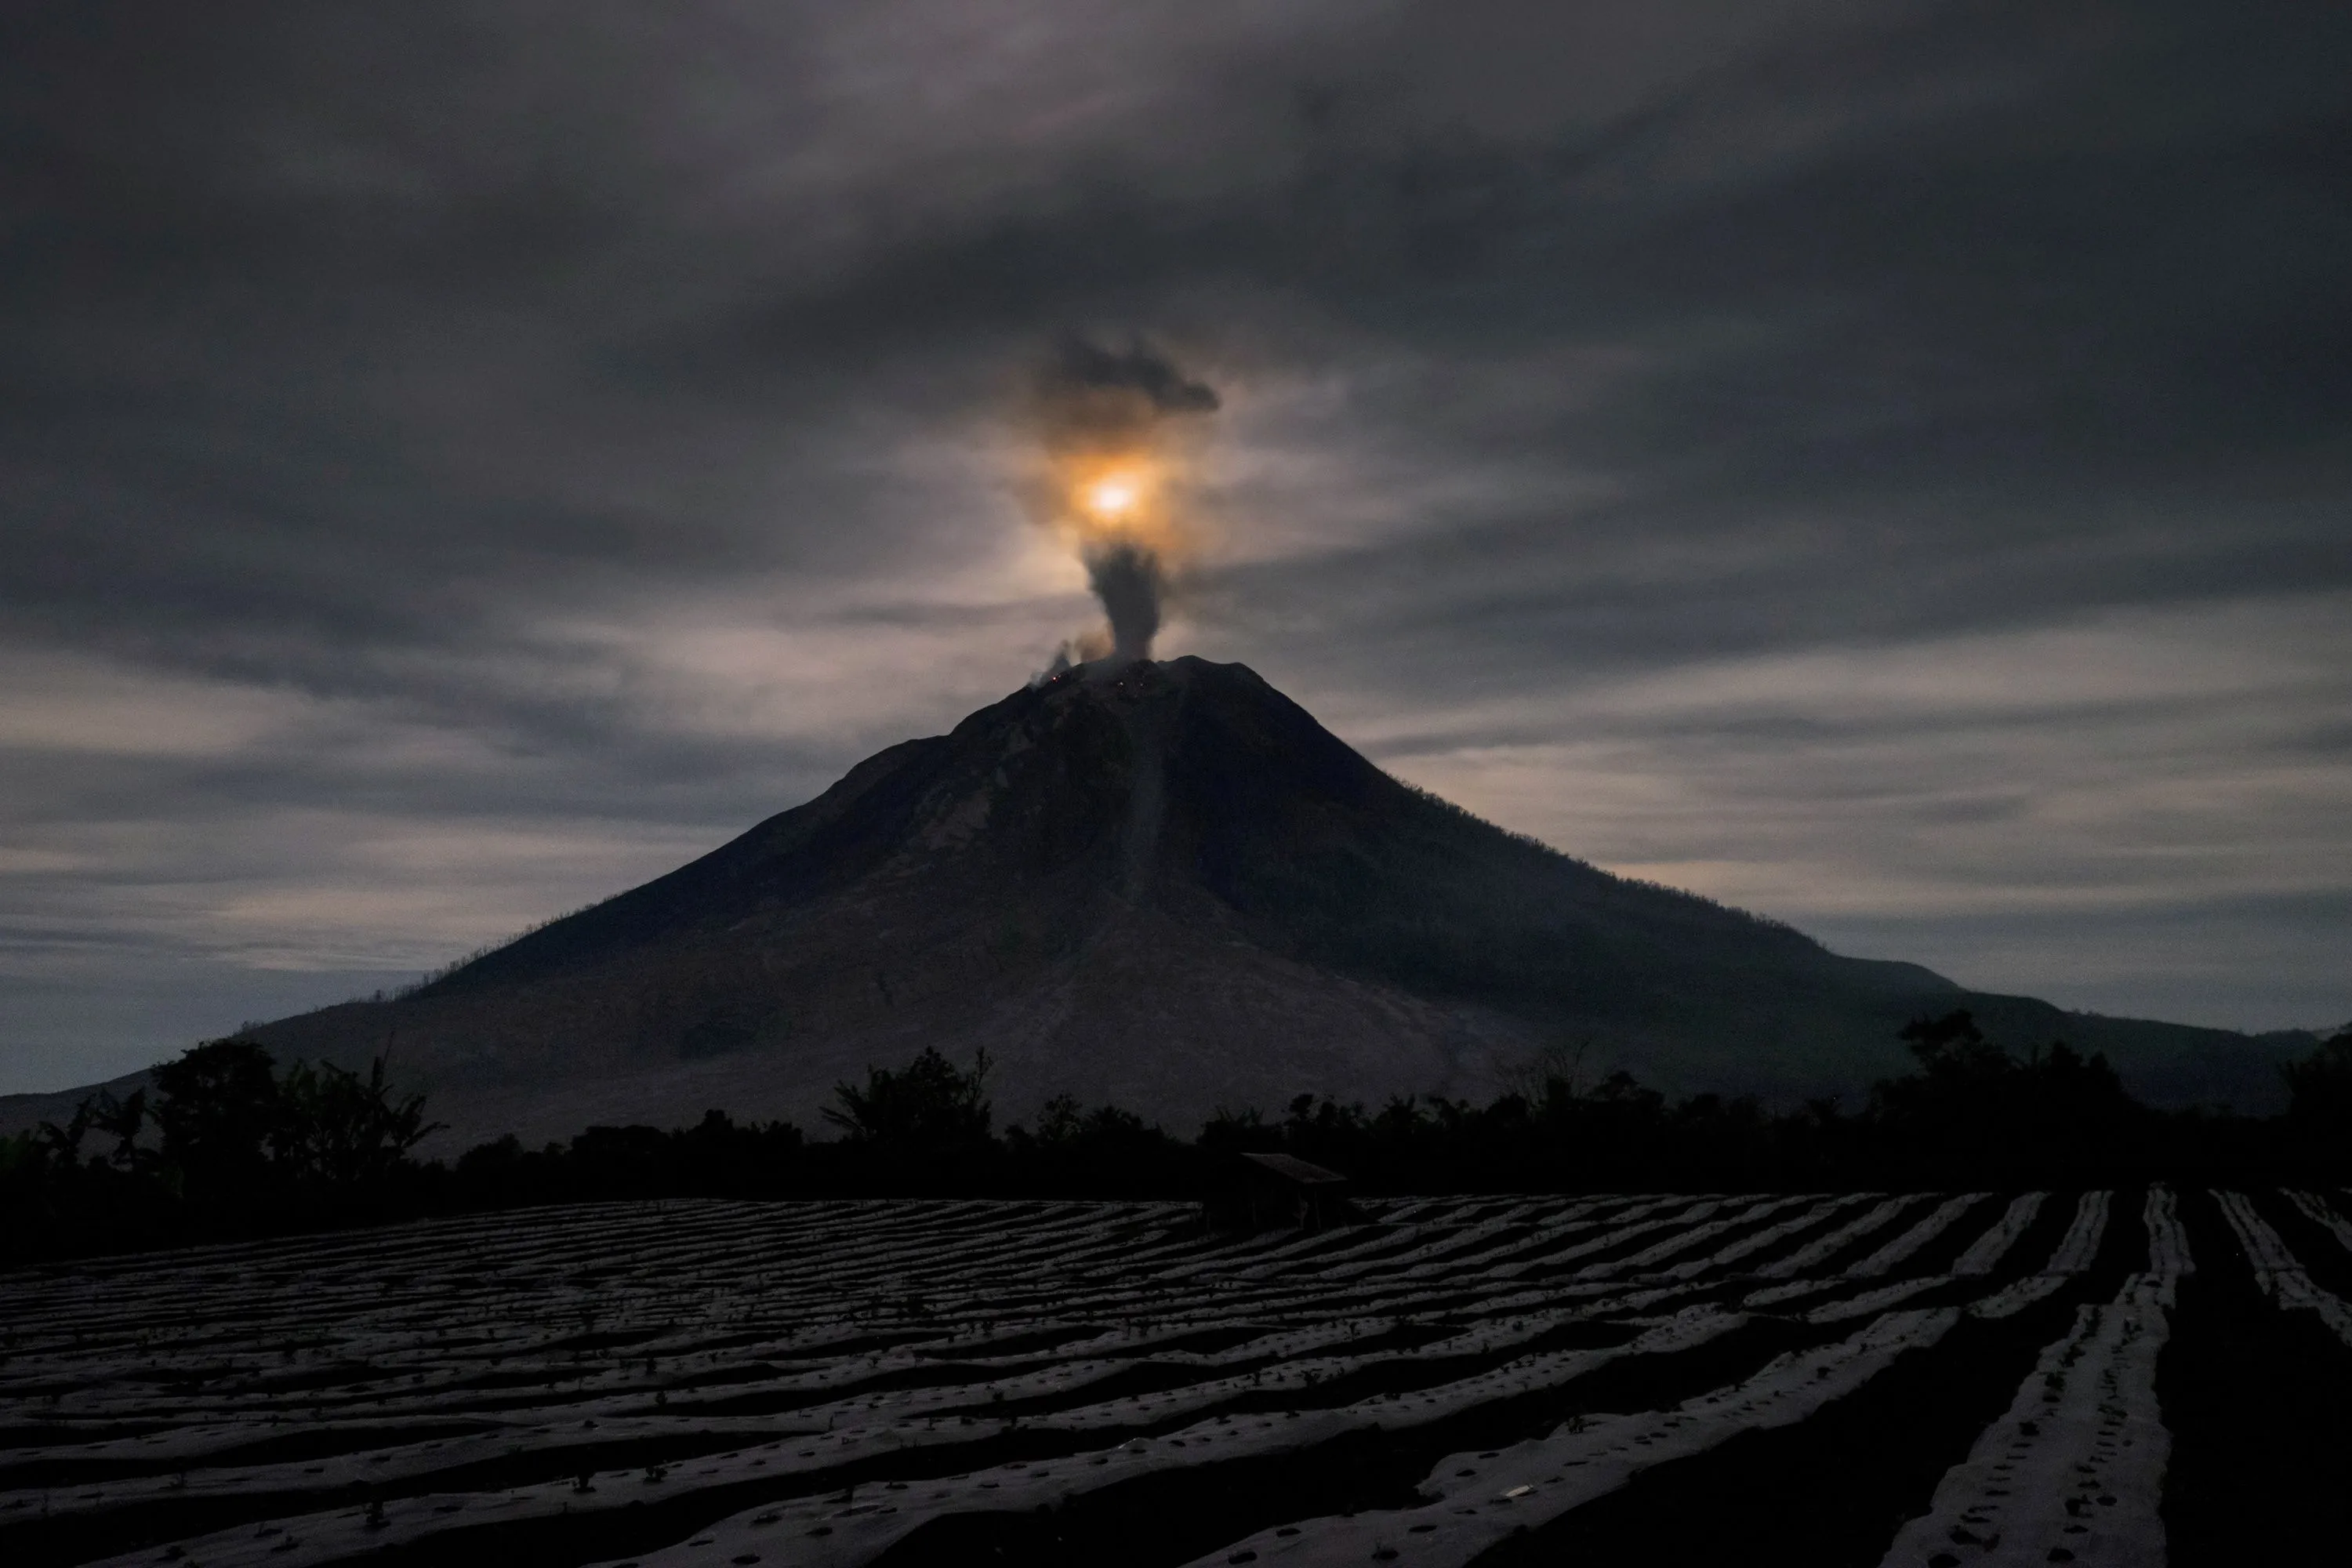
(1111, 421)
(1131, 583)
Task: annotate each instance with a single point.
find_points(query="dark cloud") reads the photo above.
(455, 457)
(1092, 392)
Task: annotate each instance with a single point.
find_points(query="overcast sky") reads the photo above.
(1884, 465)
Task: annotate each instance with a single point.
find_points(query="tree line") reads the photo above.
(228, 1144)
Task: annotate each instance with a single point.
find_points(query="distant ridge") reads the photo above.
(1163, 884)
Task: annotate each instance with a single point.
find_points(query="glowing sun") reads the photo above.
(1113, 497)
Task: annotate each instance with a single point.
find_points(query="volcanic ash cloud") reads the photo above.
(1113, 424)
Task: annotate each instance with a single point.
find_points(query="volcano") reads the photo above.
(1164, 885)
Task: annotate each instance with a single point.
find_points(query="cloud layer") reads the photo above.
(1884, 465)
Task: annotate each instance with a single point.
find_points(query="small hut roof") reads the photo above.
(1294, 1170)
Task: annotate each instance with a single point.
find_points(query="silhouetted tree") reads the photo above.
(1952, 1049)
(338, 1130)
(1063, 1124)
(930, 1105)
(1974, 1113)
(121, 1120)
(2319, 1096)
(220, 1113)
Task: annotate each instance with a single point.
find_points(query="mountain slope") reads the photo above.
(1165, 886)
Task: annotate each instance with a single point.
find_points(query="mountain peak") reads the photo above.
(1156, 883)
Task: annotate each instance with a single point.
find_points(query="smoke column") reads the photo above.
(1111, 422)
(1129, 580)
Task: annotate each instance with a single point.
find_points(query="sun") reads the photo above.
(1120, 498)
(1113, 499)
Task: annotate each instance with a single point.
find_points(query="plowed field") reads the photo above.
(1928, 1379)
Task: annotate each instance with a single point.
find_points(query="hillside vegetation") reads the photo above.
(228, 1146)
